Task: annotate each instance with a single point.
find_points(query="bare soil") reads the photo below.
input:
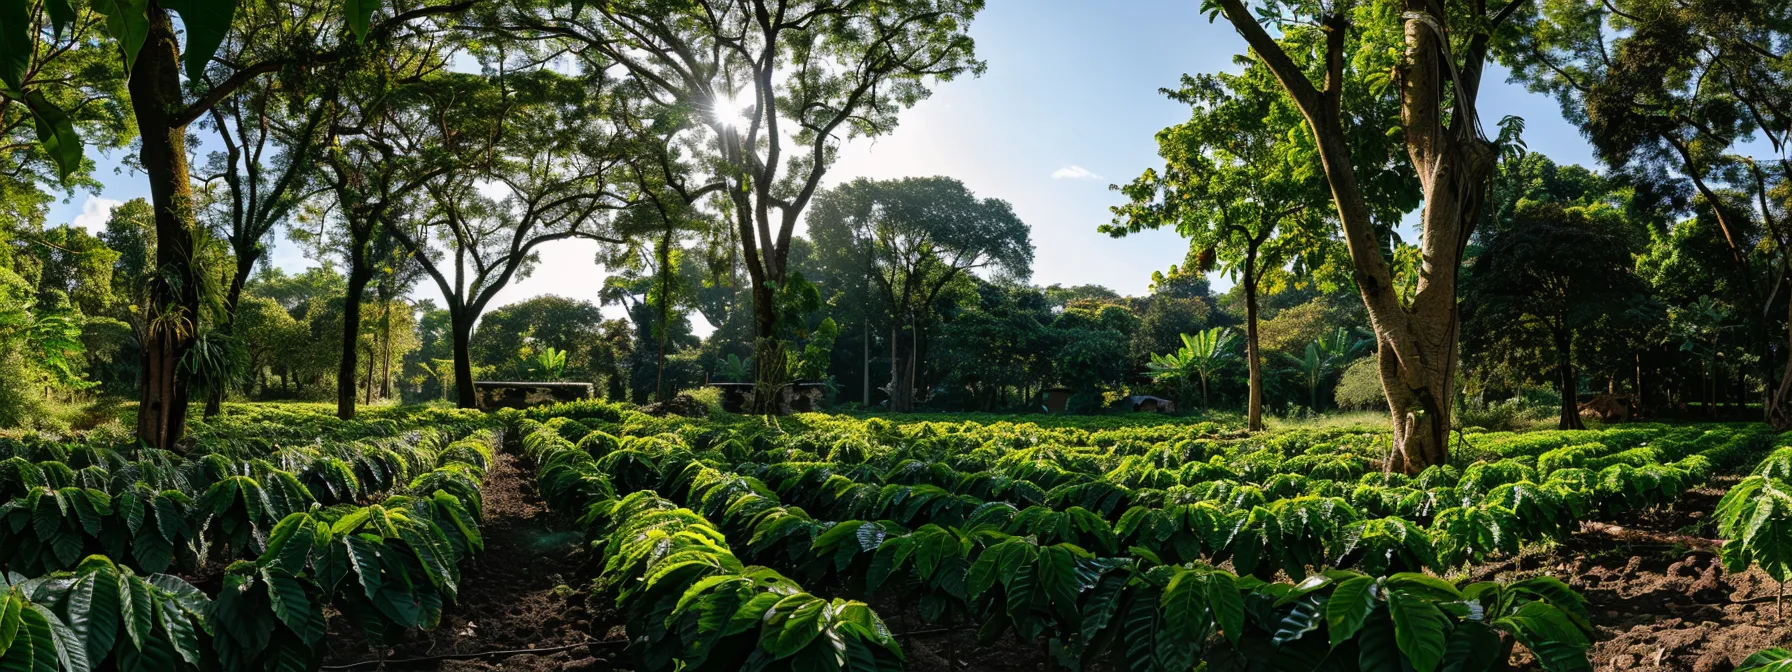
(1659, 597)
(527, 591)
(1657, 594)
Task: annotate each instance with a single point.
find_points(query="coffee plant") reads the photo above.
(1105, 540)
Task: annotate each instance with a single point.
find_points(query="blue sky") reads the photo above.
(1069, 105)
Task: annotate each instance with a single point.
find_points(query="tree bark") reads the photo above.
(867, 362)
(1566, 380)
(665, 259)
(902, 385)
(174, 294)
(346, 371)
(1416, 341)
(385, 347)
(245, 266)
(463, 360)
(897, 370)
(1254, 408)
(368, 398)
(768, 379)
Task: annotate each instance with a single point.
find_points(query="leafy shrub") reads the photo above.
(1359, 388)
(102, 616)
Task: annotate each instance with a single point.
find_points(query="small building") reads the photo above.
(799, 397)
(1144, 403)
(491, 395)
(1057, 399)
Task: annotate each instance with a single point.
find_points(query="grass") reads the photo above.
(1376, 421)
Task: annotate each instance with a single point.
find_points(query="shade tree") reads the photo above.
(150, 49)
(1557, 272)
(145, 42)
(64, 86)
(780, 84)
(509, 334)
(1088, 351)
(1411, 71)
(1233, 184)
(668, 205)
(266, 172)
(921, 235)
(373, 159)
(550, 157)
(1675, 92)
(994, 350)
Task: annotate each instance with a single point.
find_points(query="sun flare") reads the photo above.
(733, 110)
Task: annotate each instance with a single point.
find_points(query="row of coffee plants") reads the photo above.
(372, 527)
(1288, 503)
(386, 567)
(691, 603)
(156, 510)
(1055, 569)
(1755, 517)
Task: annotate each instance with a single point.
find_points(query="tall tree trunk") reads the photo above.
(347, 369)
(368, 399)
(463, 360)
(1416, 340)
(770, 376)
(870, 267)
(897, 370)
(1254, 408)
(245, 265)
(665, 259)
(914, 362)
(1418, 358)
(385, 348)
(1566, 380)
(1779, 410)
(867, 363)
(174, 296)
(902, 386)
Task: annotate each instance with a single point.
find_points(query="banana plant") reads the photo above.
(1323, 357)
(548, 365)
(1201, 355)
(734, 369)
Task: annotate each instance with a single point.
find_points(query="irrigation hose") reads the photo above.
(477, 654)
(553, 649)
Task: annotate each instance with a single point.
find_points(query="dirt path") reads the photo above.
(1658, 595)
(1659, 599)
(526, 591)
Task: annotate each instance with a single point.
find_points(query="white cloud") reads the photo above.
(95, 212)
(1074, 172)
